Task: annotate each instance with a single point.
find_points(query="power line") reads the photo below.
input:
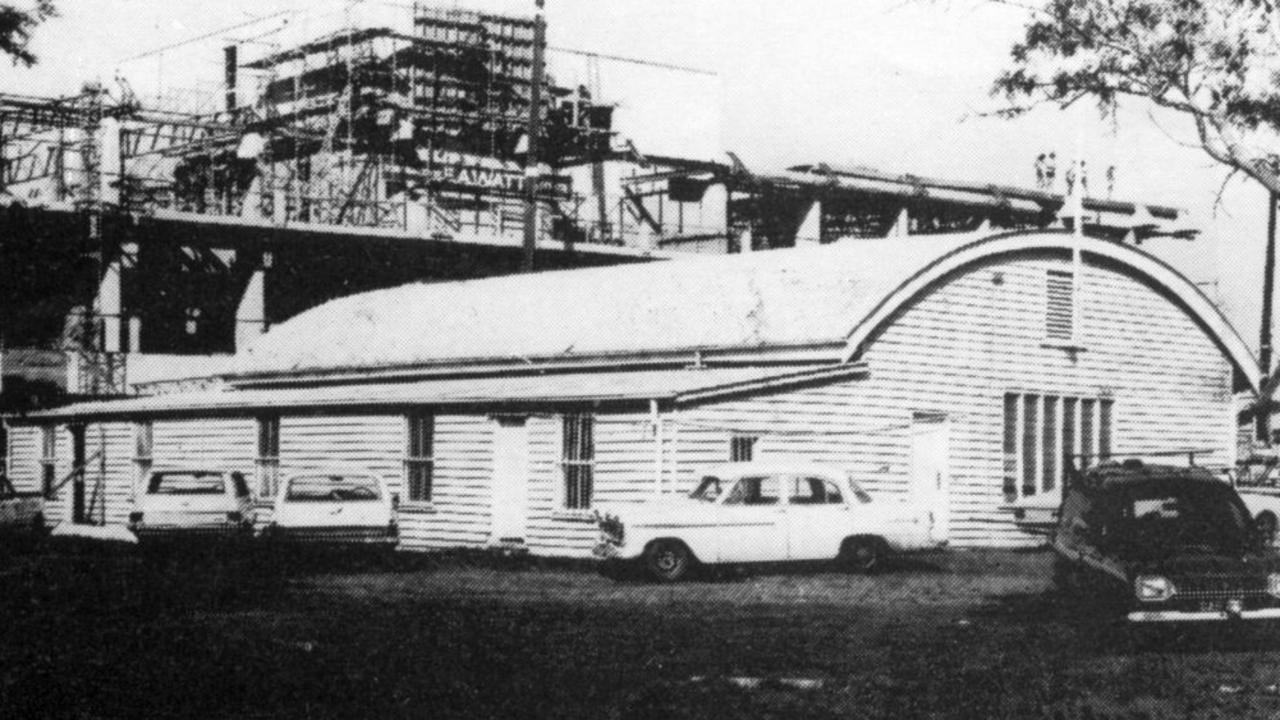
(206, 36)
(635, 61)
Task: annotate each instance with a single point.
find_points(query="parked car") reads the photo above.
(178, 503)
(760, 512)
(334, 505)
(1160, 543)
(1255, 478)
(20, 512)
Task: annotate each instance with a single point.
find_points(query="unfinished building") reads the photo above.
(137, 235)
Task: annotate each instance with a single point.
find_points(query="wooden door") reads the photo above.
(510, 506)
(930, 480)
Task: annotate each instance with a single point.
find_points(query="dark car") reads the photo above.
(1164, 544)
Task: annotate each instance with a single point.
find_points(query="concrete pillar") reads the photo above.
(417, 219)
(112, 170)
(648, 238)
(810, 232)
(901, 226)
(134, 339)
(109, 305)
(251, 313)
(279, 206)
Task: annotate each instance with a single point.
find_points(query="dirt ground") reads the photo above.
(93, 634)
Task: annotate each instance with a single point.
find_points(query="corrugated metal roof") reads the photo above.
(781, 298)
(617, 386)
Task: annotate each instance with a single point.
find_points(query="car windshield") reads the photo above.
(708, 489)
(187, 483)
(332, 487)
(1206, 518)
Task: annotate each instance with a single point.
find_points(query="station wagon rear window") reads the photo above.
(187, 483)
(332, 488)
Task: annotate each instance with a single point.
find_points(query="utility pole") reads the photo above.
(533, 132)
(1268, 290)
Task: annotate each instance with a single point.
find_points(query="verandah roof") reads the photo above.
(667, 386)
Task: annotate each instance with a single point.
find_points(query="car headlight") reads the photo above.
(1153, 588)
(1273, 585)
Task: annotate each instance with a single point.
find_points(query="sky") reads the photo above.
(899, 85)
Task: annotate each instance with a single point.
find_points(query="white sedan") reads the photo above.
(761, 512)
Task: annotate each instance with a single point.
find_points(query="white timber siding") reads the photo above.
(623, 470)
(957, 350)
(24, 457)
(459, 512)
(109, 480)
(108, 477)
(373, 442)
(313, 442)
(228, 444)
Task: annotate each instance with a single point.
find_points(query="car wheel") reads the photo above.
(1266, 527)
(667, 560)
(863, 555)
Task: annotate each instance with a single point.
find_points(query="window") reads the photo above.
(268, 454)
(814, 491)
(742, 448)
(48, 458)
(1059, 315)
(332, 488)
(1045, 436)
(766, 490)
(187, 483)
(1010, 447)
(418, 462)
(143, 442)
(578, 460)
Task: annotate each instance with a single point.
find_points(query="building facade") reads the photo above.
(964, 372)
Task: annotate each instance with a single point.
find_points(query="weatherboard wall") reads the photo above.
(954, 350)
(961, 346)
(23, 468)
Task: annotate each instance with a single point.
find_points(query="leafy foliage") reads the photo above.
(1216, 61)
(16, 26)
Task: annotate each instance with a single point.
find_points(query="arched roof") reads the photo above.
(832, 297)
(1154, 270)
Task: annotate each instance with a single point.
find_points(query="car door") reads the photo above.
(818, 517)
(752, 521)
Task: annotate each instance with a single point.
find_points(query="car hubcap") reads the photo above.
(668, 561)
(864, 556)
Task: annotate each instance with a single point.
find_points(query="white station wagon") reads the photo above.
(334, 505)
(761, 512)
(193, 502)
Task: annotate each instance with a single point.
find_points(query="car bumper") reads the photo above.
(237, 530)
(1167, 616)
(332, 535)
